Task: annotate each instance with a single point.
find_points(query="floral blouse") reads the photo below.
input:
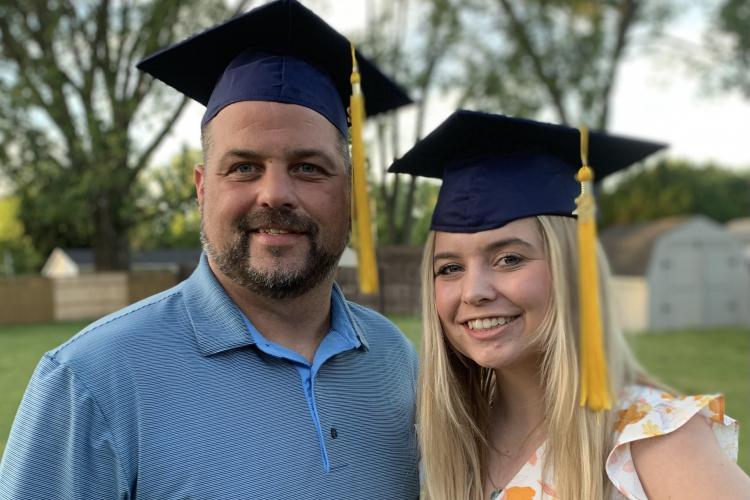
(643, 412)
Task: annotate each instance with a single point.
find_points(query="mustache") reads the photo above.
(278, 218)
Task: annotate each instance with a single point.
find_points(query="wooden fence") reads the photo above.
(34, 299)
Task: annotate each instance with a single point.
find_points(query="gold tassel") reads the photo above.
(595, 391)
(364, 244)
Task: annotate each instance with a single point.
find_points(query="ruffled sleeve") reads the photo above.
(647, 412)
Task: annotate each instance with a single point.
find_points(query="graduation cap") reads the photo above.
(283, 52)
(497, 169)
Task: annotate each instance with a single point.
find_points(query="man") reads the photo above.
(254, 378)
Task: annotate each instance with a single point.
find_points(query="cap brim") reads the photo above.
(468, 134)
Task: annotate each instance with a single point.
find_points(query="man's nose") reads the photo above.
(276, 189)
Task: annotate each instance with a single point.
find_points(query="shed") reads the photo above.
(68, 262)
(740, 229)
(678, 272)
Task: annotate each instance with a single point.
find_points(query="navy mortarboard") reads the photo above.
(497, 169)
(283, 52)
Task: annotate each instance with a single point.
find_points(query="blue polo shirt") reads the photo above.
(179, 396)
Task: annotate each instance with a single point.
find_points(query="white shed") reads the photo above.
(688, 273)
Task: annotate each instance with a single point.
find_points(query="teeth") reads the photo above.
(272, 230)
(486, 323)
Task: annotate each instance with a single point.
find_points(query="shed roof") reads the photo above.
(85, 256)
(629, 247)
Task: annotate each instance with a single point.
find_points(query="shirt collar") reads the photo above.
(219, 325)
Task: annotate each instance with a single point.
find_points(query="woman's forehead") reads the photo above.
(523, 232)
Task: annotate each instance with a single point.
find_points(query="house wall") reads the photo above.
(630, 302)
(697, 278)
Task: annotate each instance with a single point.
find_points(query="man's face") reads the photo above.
(274, 197)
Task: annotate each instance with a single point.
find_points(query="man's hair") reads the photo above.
(207, 142)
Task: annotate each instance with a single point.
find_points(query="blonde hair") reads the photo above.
(455, 392)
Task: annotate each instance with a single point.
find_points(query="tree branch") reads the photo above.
(628, 10)
(142, 161)
(536, 60)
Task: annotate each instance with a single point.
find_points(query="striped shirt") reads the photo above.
(178, 396)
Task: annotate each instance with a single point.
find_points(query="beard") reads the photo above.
(234, 260)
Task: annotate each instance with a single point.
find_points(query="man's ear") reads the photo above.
(198, 178)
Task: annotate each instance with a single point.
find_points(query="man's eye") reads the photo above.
(245, 168)
(308, 168)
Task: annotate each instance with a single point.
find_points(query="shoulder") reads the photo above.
(672, 445)
(687, 463)
(122, 328)
(380, 331)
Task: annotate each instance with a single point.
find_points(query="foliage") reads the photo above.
(171, 218)
(529, 58)
(676, 188)
(425, 196)
(559, 57)
(414, 61)
(17, 254)
(78, 122)
(729, 38)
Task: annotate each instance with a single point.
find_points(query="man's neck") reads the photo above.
(298, 323)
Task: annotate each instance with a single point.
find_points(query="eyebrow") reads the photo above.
(494, 246)
(250, 154)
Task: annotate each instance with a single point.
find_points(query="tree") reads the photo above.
(553, 56)
(676, 188)
(17, 254)
(78, 122)
(412, 53)
(731, 47)
(171, 218)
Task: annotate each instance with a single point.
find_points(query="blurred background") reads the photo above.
(97, 206)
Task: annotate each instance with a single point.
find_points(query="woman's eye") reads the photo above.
(510, 260)
(448, 269)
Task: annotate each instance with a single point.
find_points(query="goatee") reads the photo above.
(234, 260)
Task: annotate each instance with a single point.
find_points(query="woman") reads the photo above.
(499, 412)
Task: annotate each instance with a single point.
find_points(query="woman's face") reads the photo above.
(492, 290)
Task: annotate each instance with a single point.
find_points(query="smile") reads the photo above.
(273, 230)
(487, 323)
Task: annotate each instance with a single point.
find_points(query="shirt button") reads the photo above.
(334, 433)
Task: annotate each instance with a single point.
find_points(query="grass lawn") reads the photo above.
(21, 347)
(693, 362)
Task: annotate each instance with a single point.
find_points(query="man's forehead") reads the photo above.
(269, 115)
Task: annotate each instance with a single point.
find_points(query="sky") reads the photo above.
(653, 99)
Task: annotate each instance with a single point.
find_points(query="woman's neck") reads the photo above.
(519, 396)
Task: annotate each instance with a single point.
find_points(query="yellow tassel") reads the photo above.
(364, 244)
(595, 391)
